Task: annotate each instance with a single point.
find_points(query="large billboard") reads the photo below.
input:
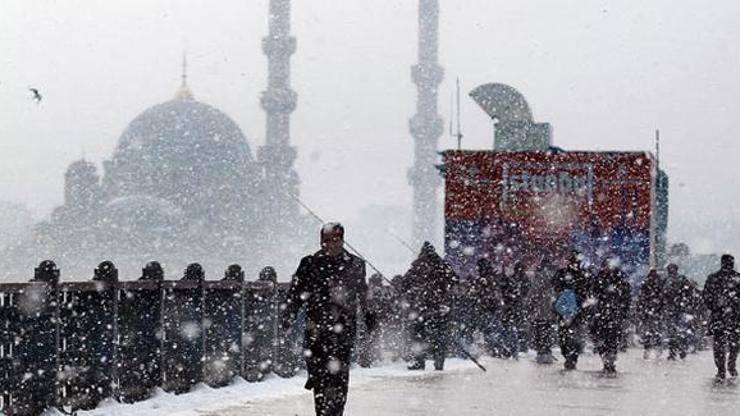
(524, 206)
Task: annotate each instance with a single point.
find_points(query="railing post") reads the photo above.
(37, 349)
(184, 338)
(139, 328)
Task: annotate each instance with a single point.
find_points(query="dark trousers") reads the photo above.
(726, 347)
(608, 336)
(677, 339)
(328, 369)
(542, 336)
(330, 396)
(652, 334)
(570, 337)
(429, 338)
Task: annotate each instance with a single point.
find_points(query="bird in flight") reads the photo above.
(36, 94)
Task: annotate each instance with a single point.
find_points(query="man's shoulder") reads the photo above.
(355, 262)
(714, 276)
(308, 260)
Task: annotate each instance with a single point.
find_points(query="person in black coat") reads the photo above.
(612, 297)
(678, 308)
(650, 315)
(722, 299)
(428, 285)
(513, 289)
(331, 285)
(488, 307)
(570, 329)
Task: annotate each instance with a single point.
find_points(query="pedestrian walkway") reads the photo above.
(655, 387)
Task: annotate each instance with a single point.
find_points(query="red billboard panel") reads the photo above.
(520, 206)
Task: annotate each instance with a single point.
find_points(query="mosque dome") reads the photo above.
(185, 152)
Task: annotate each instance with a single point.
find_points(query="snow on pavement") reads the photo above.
(653, 387)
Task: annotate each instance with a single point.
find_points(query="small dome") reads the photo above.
(142, 212)
(81, 168)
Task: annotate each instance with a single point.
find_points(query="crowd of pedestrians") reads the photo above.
(430, 313)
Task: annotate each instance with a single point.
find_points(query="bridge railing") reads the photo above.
(72, 344)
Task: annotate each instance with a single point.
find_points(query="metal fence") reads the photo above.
(72, 344)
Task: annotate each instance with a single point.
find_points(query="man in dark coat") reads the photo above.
(612, 296)
(570, 329)
(427, 284)
(678, 307)
(649, 309)
(722, 299)
(331, 284)
(488, 307)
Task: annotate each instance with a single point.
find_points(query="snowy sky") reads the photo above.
(604, 73)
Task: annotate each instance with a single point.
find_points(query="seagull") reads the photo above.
(36, 94)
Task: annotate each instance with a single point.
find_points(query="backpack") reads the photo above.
(566, 304)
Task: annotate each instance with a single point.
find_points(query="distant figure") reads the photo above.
(36, 95)
(331, 284)
(650, 317)
(678, 312)
(542, 316)
(428, 285)
(486, 307)
(612, 297)
(722, 299)
(514, 290)
(370, 338)
(571, 290)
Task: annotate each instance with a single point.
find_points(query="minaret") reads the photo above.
(279, 101)
(426, 126)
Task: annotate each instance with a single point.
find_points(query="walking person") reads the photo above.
(612, 297)
(488, 307)
(331, 285)
(428, 285)
(722, 299)
(571, 290)
(650, 315)
(678, 305)
(542, 315)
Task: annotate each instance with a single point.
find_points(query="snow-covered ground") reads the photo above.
(653, 387)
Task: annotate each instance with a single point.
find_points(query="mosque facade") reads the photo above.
(182, 185)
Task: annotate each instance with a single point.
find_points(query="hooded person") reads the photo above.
(427, 285)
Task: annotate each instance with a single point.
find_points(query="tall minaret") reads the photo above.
(277, 156)
(426, 126)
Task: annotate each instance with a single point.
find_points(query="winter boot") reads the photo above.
(439, 364)
(570, 364)
(720, 377)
